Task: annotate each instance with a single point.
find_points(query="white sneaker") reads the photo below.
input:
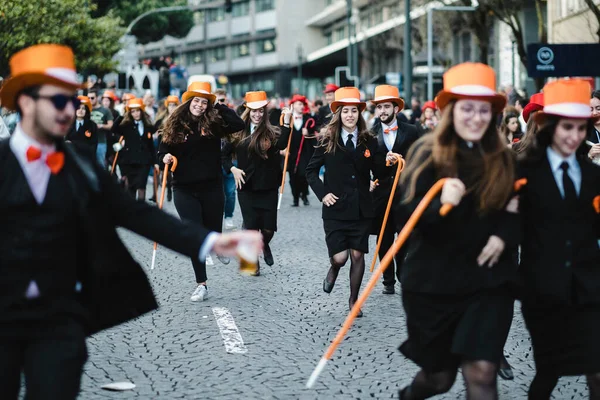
(209, 260)
(200, 294)
(229, 223)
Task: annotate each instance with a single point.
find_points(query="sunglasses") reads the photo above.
(221, 100)
(60, 101)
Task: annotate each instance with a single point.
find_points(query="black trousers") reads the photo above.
(51, 354)
(393, 270)
(204, 207)
(299, 185)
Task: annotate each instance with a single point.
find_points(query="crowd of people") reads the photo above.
(522, 181)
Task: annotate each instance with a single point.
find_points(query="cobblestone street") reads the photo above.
(286, 322)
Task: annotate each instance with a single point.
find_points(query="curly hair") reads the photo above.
(182, 122)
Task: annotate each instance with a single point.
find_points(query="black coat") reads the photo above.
(560, 257)
(308, 146)
(87, 134)
(136, 149)
(406, 135)
(348, 177)
(442, 251)
(261, 174)
(115, 288)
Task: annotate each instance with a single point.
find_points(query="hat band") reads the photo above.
(383, 98)
(348, 100)
(574, 110)
(472, 90)
(64, 74)
(257, 104)
(200, 91)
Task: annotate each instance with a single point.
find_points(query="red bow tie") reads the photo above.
(55, 161)
(298, 117)
(391, 129)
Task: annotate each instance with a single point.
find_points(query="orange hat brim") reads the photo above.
(191, 94)
(397, 100)
(12, 87)
(336, 104)
(255, 105)
(444, 97)
(540, 117)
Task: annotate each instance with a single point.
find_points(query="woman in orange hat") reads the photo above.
(258, 171)
(560, 256)
(346, 150)
(456, 275)
(193, 133)
(84, 130)
(108, 101)
(137, 151)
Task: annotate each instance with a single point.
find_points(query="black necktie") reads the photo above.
(350, 144)
(568, 186)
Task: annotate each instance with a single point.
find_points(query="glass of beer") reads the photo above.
(248, 258)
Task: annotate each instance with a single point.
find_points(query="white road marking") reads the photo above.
(229, 332)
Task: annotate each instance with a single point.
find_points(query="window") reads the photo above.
(339, 34)
(194, 57)
(569, 7)
(465, 43)
(216, 54)
(240, 9)
(241, 50)
(265, 46)
(216, 14)
(328, 2)
(199, 18)
(264, 5)
(329, 38)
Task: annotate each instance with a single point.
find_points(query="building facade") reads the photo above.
(572, 21)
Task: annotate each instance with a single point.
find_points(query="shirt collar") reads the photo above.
(393, 124)
(345, 134)
(252, 127)
(556, 159)
(20, 142)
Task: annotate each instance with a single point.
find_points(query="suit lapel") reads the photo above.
(400, 137)
(548, 176)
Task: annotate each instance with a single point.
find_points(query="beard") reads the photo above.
(389, 119)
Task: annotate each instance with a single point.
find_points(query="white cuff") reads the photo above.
(207, 246)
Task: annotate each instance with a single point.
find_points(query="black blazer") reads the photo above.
(136, 149)
(348, 177)
(115, 288)
(86, 135)
(442, 251)
(308, 147)
(261, 174)
(406, 135)
(560, 257)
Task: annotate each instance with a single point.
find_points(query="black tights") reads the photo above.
(357, 269)
(480, 382)
(267, 236)
(544, 383)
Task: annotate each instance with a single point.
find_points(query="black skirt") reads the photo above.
(136, 174)
(565, 338)
(259, 209)
(446, 329)
(343, 235)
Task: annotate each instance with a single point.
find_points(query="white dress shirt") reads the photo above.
(298, 121)
(140, 126)
(390, 137)
(78, 124)
(345, 134)
(574, 170)
(252, 127)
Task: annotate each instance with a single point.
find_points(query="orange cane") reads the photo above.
(399, 169)
(114, 164)
(162, 198)
(389, 256)
(285, 163)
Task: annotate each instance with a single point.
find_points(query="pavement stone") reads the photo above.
(286, 322)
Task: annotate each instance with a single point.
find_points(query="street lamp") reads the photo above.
(430, 40)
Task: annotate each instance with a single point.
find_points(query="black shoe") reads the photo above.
(505, 370)
(403, 392)
(360, 313)
(257, 273)
(268, 256)
(388, 289)
(169, 195)
(305, 200)
(329, 281)
(152, 199)
(296, 203)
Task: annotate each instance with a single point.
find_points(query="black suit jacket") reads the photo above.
(348, 177)
(87, 134)
(406, 135)
(560, 257)
(261, 174)
(115, 288)
(137, 149)
(308, 145)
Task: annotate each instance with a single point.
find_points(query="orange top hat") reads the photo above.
(470, 81)
(256, 100)
(330, 87)
(347, 96)
(171, 100)
(536, 103)
(41, 64)
(199, 89)
(135, 103)
(429, 104)
(109, 94)
(85, 100)
(567, 98)
(388, 93)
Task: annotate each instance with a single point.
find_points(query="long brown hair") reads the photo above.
(330, 140)
(441, 148)
(508, 115)
(528, 139)
(262, 139)
(128, 119)
(182, 122)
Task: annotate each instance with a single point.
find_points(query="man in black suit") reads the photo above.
(325, 110)
(64, 272)
(394, 138)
